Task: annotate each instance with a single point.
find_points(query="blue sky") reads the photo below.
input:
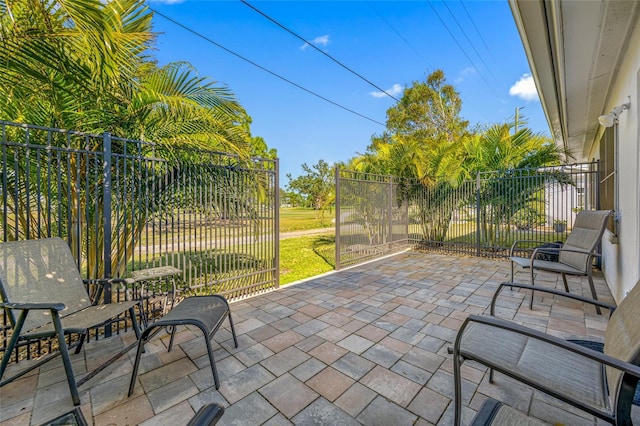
(390, 43)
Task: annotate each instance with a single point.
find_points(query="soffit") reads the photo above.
(574, 49)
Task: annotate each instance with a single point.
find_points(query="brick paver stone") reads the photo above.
(288, 394)
(391, 385)
(330, 383)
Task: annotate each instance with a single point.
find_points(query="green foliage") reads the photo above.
(527, 218)
(429, 144)
(428, 111)
(504, 148)
(422, 136)
(507, 146)
(316, 185)
(86, 65)
(422, 145)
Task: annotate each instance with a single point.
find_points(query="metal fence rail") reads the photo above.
(371, 217)
(125, 205)
(376, 214)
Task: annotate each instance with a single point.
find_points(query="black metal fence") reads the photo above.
(124, 205)
(377, 214)
(372, 217)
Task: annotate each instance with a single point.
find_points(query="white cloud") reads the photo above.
(462, 75)
(395, 90)
(525, 88)
(318, 41)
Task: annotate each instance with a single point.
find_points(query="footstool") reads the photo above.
(205, 312)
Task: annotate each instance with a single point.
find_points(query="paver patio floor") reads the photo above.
(366, 345)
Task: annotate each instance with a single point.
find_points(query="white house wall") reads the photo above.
(621, 255)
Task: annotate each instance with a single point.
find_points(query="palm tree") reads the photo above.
(85, 65)
(511, 153)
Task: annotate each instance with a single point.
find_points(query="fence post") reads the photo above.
(478, 234)
(277, 220)
(337, 225)
(106, 213)
(390, 214)
(405, 201)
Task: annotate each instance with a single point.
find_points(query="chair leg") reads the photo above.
(80, 342)
(12, 342)
(66, 361)
(136, 364)
(564, 281)
(212, 361)
(134, 321)
(457, 379)
(233, 330)
(512, 274)
(593, 291)
(173, 334)
(532, 292)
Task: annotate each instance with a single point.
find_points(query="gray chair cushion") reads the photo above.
(495, 413)
(572, 375)
(45, 271)
(622, 338)
(547, 265)
(585, 235)
(41, 271)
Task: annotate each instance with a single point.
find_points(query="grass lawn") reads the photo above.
(306, 257)
(300, 218)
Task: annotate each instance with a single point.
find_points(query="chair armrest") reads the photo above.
(30, 306)
(550, 291)
(102, 283)
(602, 358)
(207, 415)
(560, 250)
(516, 242)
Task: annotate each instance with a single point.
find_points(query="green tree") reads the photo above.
(422, 136)
(86, 65)
(422, 144)
(316, 185)
(428, 111)
(512, 152)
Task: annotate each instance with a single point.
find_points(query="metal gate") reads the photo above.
(377, 215)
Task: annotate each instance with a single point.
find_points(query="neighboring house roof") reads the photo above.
(574, 50)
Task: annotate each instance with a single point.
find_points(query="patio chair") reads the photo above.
(576, 254)
(207, 415)
(601, 384)
(44, 296)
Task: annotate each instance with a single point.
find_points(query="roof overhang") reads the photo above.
(574, 50)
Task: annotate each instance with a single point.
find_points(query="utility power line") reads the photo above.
(474, 26)
(400, 35)
(207, 39)
(318, 49)
(469, 40)
(461, 49)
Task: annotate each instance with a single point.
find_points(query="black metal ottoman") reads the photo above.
(205, 312)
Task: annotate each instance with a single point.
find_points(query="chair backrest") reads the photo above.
(40, 271)
(622, 339)
(585, 235)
